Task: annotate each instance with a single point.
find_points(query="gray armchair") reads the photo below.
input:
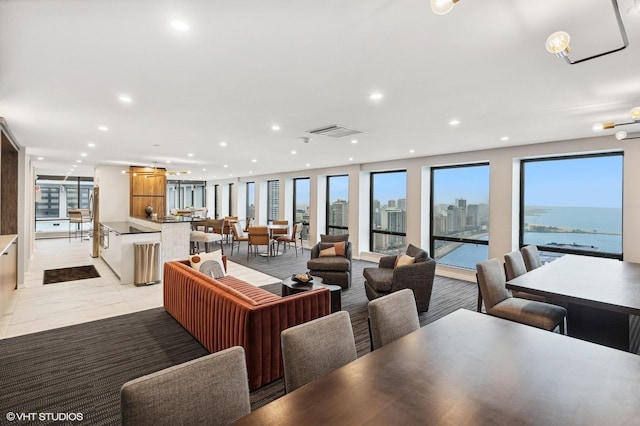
(418, 276)
(334, 270)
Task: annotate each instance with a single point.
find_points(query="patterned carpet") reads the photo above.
(80, 369)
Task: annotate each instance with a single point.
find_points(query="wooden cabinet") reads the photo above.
(148, 187)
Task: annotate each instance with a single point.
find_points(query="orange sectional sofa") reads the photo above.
(226, 312)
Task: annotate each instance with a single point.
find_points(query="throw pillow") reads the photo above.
(330, 251)
(209, 264)
(403, 259)
(339, 249)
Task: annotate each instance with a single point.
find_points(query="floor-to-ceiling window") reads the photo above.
(55, 196)
(217, 196)
(251, 200)
(301, 201)
(460, 215)
(273, 200)
(185, 194)
(573, 204)
(388, 212)
(337, 205)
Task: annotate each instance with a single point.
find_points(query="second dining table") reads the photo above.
(602, 296)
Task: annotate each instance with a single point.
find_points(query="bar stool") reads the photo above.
(207, 238)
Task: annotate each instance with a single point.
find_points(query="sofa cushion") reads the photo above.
(333, 238)
(209, 264)
(380, 279)
(403, 259)
(332, 263)
(257, 294)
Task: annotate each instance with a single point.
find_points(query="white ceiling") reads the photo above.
(245, 65)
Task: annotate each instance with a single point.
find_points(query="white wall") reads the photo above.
(114, 193)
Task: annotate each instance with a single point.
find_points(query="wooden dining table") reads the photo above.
(470, 369)
(599, 294)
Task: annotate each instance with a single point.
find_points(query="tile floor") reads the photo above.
(38, 307)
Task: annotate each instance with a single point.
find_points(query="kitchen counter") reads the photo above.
(173, 219)
(126, 228)
(6, 241)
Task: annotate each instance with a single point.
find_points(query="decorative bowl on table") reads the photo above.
(302, 278)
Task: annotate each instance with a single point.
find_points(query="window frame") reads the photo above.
(372, 231)
(329, 226)
(433, 238)
(521, 242)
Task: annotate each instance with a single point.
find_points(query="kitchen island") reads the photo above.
(117, 240)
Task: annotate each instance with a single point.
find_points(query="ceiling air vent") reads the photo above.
(335, 131)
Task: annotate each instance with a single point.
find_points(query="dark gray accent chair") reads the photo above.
(391, 317)
(514, 267)
(213, 389)
(499, 303)
(334, 270)
(531, 257)
(315, 348)
(386, 279)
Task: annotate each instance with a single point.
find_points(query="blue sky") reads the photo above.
(470, 183)
(579, 182)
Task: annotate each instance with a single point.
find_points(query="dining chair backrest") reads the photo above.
(392, 316)
(315, 348)
(491, 281)
(213, 389)
(531, 257)
(214, 225)
(237, 230)
(514, 265)
(280, 232)
(247, 224)
(259, 235)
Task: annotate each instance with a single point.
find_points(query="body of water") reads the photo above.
(606, 221)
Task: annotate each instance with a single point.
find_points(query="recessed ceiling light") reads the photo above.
(83, 154)
(125, 99)
(354, 141)
(250, 172)
(167, 161)
(230, 174)
(204, 170)
(411, 151)
(376, 96)
(190, 154)
(294, 152)
(225, 166)
(223, 144)
(74, 166)
(180, 26)
(40, 158)
(275, 127)
(254, 160)
(454, 122)
(78, 161)
(91, 145)
(103, 128)
(308, 165)
(504, 138)
(350, 158)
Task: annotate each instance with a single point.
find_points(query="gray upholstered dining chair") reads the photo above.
(315, 348)
(531, 257)
(391, 317)
(213, 389)
(499, 303)
(514, 267)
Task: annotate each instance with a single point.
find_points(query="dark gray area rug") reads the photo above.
(52, 276)
(80, 369)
